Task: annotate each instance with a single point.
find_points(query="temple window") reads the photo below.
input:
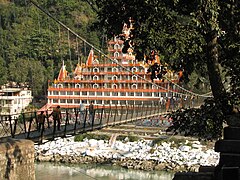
(62, 101)
(55, 93)
(116, 46)
(134, 86)
(70, 101)
(62, 93)
(77, 86)
(134, 78)
(95, 86)
(60, 86)
(96, 70)
(114, 94)
(55, 100)
(114, 69)
(114, 78)
(116, 54)
(77, 93)
(69, 93)
(95, 77)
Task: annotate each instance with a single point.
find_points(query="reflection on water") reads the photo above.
(51, 171)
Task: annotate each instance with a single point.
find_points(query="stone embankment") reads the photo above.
(16, 159)
(142, 154)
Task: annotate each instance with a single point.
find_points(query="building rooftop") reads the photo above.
(10, 90)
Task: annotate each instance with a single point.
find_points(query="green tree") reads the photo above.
(3, 72)
(28, 36)
(186, 33)
(193, 35)
(36, 77)
(18, 70)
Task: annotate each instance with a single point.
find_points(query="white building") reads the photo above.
(13, 101)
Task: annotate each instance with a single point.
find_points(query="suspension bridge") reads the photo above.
(26, 125)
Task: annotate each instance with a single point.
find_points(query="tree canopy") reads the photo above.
(33, 45)
(192, 35)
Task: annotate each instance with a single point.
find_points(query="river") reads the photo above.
(50, 171)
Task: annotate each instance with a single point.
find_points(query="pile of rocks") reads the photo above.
(137, 155)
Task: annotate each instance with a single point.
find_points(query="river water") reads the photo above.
(50, 171)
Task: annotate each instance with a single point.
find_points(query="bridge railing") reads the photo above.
(26, 125)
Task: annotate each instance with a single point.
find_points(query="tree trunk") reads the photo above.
(217, 87)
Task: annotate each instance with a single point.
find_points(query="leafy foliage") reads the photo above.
(81, 137)
(33, 45)
(204, 123)
(196, 36)
(130, 138)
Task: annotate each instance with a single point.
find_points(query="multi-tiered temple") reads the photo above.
(120, 79)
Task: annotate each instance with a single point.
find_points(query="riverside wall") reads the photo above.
(17, 160)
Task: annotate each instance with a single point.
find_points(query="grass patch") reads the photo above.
(130, 138)
(176, 142)
(81, 137)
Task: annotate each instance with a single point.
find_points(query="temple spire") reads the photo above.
(90, 58)
(62, 73)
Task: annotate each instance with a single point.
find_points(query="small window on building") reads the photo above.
(130, 102)
(123, 102)
(106, 102)
(77, 93)
(138, 93)
(99, 93)
(95, 86)
(107, 93)
(63, 101)
(123, 93)
(114, 102)
(116, 54)
(147, 94)
(115, 78)
(114, 86)
(131, 93)
(55, 100)
(95, 78)
(134, 86)
(55, 93)
(69, 93)
(84, 93)
(77, 86)
(138, 102)
(134, 69)
(115, 69)
(99, 101)
(92, 93)
(154, 87)
(77, 101)
(115, 94)
(60, 86)
(69, 101)
(116, 46)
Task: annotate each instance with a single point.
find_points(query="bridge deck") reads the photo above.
(70, 125)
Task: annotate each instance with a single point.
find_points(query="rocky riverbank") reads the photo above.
(141, 154)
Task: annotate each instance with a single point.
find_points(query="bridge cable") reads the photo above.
(92, 46)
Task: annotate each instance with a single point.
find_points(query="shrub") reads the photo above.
(176, 141)
(133, 138)
(204, 123)
(81, 137)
